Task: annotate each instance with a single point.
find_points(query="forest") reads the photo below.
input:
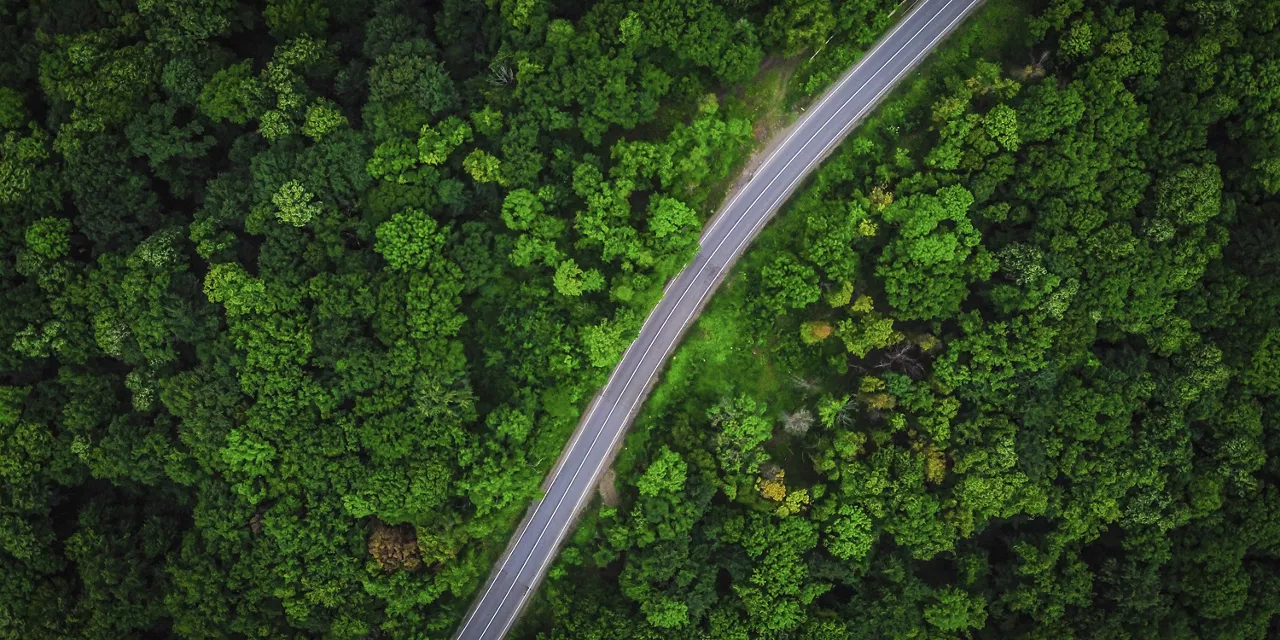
(1005, 368)
(299, 301)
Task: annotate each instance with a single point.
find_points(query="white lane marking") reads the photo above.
(765, 219)
(564, 457)
(843, 129)
(747, 238)
(799, 124)
(626, 385)
(715, 221)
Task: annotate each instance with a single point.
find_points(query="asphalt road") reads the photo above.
(574, 478)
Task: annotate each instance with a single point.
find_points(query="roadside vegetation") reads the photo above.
(1005, 368)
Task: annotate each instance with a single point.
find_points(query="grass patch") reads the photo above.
(720, 357)
(764, 100)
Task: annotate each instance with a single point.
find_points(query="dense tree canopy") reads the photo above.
(301, 299)
(1004, 369)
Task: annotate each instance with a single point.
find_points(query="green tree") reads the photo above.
(436, 142)
(570, 280)
(483, 167)
(956, 610)
(789, 284)
(294, 204)
(1191, 195)
(934, 256)
(410, 240)
(322, 119)
(798, 25)
(666, 474)
(848, 536)
(233, 94)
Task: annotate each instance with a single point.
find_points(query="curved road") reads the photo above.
(574, 477)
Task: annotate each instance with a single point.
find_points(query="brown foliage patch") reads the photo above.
(815, 331)
(394, 547)
(608, 489)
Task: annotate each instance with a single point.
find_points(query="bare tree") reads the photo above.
(770, 471)
(500, 72)
(844, 417)
(806, 384)
(1034, 68)
(797, 423)
(902, 357)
